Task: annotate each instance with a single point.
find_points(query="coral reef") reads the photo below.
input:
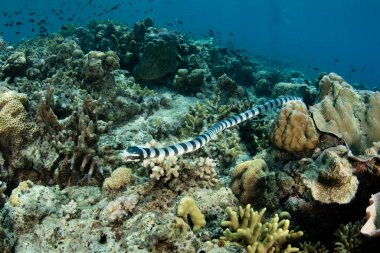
(293, 130)
(248, 226)
(188, 208)
(371, 227)
(70, 102)
(245, 179)
(330, 177)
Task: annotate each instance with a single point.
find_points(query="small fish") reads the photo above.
(180, 22)
(353, 70)
(115, 6)
(336, 60)
(18, 23)
(316, 69)
(169, 24)
(231, 34)
(17, 33)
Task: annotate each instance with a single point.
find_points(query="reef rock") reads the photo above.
(158, 56)
(330, 177)
(351, 115)
(293, 130)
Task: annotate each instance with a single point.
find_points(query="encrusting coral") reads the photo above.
(248, 227)
(187, 208)
(293, 129)
(245, 178)
(372, 227)
(330, 177)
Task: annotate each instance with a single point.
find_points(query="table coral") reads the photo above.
(248, 227)
(13, 121)
(294, 130)
(330, 177)
(347, 113)
(188, 208)
(245, 178)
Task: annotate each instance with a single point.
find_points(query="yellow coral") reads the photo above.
(244, 179)
(13, 120)
(294, 129)
(188, 207)
(247, 226)
(14, 199)
(120, 177)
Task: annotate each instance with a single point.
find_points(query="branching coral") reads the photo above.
(201, 170)
(121, 207)
(248, 227)
(349, 238)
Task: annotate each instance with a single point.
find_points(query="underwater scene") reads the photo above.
(189, 126)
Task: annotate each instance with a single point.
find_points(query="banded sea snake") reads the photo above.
(135, 153)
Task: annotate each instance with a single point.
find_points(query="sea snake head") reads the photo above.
(132, 154)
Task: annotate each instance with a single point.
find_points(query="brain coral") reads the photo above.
(294, 130)
(330, 177)
(348, 114)
(245, 178)
(13, 120)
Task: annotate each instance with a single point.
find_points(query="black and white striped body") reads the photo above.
(135, 153)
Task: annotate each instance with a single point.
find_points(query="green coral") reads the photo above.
(311, 247)
(249, 228)
(349, 238)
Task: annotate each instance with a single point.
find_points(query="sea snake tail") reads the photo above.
(135, 153)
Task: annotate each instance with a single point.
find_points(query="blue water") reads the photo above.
(312, 36)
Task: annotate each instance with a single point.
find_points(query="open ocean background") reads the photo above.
(341, 36)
